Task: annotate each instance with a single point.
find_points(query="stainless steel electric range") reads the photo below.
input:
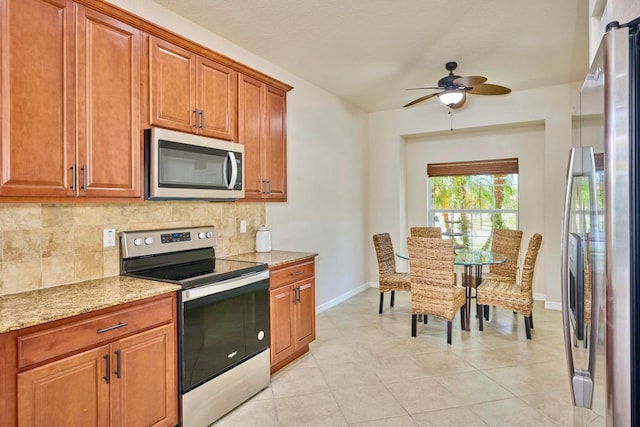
(223, 317)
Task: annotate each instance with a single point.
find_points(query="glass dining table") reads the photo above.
(472, 262)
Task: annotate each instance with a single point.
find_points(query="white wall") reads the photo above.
(543, 115)
(327, 187)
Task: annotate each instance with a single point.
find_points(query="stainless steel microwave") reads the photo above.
(180, 165)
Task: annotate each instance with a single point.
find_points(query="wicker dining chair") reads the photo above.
(433, 282)
(426, 232)
(513, 296)
(389, 278)
(504, 242)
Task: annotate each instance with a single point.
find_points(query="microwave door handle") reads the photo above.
(231, 170)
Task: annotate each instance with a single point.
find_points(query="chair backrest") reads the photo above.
(526, 282)
(385, 254)
(431, 261)
(506, 242)
(426, 232)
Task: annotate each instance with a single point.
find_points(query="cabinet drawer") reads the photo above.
(291, 273)
(59, 340)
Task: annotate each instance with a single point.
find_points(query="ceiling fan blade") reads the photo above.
(459, 104)
(489, 89)
(420, 88)
(469, 81)
(422, 98)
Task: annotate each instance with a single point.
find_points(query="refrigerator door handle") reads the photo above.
(564, 271)
(581, 381)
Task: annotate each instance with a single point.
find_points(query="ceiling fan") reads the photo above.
(454, 88)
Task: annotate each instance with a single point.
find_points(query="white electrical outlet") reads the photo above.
(109, 237)
(243, 225)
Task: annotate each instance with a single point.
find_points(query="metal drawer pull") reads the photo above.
(111, 328)
(296, 273)
(195, 118)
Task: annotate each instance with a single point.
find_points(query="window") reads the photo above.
(469, 199)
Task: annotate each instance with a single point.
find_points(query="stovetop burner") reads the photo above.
(184, 256)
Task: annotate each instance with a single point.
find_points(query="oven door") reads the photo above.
(222, 325)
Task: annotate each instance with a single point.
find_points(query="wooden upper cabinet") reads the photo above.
(172, 86)
(262, 130)
(37, 93)
(276, 143)
(191, 93)
(70, 102)
(109, 78)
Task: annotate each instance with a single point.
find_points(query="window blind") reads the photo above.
(475, 167)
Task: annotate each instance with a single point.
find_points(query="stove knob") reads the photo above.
(148, 240)
(137, 241)
(202, 235)
(209, 234)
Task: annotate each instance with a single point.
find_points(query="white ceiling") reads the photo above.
(369, 51)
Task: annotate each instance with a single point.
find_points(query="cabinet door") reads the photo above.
(172, 97)
(282, 321)
(305, 313)
(275, 163)
(144, 391)
(37, 96)
(217, 99)
(69, 392)
(250, 134)
(109, 56)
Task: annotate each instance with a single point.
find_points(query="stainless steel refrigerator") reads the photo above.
(601, 237)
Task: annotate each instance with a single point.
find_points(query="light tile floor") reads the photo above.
(365, 369)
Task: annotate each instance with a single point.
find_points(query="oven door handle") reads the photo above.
(225, 285)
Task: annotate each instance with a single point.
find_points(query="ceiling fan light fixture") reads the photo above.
(451, 97)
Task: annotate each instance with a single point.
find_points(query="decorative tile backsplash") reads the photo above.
(43, 245)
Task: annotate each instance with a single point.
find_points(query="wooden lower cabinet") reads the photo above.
(128, 377)
(292, 309)
(68, 392)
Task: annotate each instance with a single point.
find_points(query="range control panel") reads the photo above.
(155, 242)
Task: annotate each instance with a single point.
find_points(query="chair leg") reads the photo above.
(486, 312)
(463, 324)
(531, 319)
(414, 324)
(448, 331)
(381, 302)
(480, 322)
(393, 297)
(425, 319)
(526, 327)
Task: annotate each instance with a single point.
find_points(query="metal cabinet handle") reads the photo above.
(195, 118)
(268, 186)
(73, 178)
(84, 177)
(118, 367)
(107, 376)
(111, 328)
(201, 119)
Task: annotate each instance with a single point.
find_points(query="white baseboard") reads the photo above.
(553, 305)
(337, 300)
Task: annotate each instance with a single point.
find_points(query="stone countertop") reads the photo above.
(32, 308)
(273, 258)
